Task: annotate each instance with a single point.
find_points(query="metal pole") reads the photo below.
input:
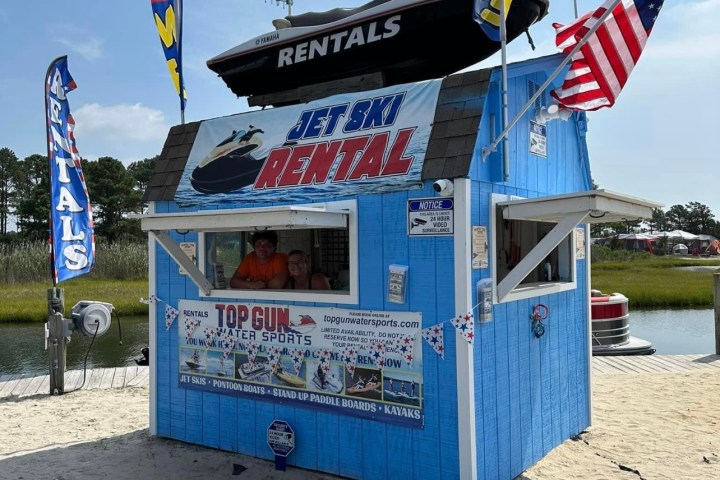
(503, 54)
(57, 340)
(493, 146)
(716, 279)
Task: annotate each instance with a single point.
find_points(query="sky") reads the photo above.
(654, 143)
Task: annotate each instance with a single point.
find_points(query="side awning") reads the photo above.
(567, 211)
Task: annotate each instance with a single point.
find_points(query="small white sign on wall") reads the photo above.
(579, 243)
(479, 247)
(190, 250)
(538, 139)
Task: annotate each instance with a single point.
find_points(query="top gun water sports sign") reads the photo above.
(342, 145)
(354, 362)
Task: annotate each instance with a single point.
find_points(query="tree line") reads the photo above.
(693, 217)
(115, 191)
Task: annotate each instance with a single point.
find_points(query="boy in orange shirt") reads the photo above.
(263, 267)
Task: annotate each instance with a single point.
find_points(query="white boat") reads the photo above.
(611, 327)
(251, 370)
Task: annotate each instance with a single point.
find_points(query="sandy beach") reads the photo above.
(660, 426)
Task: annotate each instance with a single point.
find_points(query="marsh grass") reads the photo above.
(119, 276)
(20, 303)
(656, 281)
(29, 262)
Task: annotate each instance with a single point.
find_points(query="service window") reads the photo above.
(330, 251)
(327, 250)
(514, 240)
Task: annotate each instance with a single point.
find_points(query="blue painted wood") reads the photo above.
(246, 426)
(352, 458)
(194, 411)
(515, 374)
(228, 429)
(211, 420)
(502, 379)
(307, 446)
(399, 453)
(329, 429)
(264, 416)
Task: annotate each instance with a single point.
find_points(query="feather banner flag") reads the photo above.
(72, 232)
(601, 67)
(168, 20)
(487, 14)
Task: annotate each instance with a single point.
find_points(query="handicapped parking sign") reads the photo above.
(281, 440)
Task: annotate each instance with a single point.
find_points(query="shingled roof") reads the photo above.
(450, 148)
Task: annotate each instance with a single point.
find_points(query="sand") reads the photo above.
(664, 426)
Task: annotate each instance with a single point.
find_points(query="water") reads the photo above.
(675, 332)
(22, 347)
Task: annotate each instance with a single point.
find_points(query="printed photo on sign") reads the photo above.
(360, 363)
(341, 145)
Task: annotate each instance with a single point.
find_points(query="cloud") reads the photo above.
(79, 41)
(126, 132)
(89, 49)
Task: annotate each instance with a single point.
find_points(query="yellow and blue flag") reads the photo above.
(168, 20)
(487, 14)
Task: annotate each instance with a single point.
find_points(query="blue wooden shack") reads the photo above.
(455, 340)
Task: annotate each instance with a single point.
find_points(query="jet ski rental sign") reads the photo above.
(364, 363)
(342, 145)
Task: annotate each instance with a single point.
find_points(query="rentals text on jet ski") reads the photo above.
(404, 40)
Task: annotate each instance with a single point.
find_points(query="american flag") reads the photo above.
(600, 69)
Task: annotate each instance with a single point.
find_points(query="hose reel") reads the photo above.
(91, 318)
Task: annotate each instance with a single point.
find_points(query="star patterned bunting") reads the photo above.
(434, 336)
(466, 326)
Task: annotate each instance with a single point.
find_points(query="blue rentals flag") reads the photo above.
(168, 20)
(72, 238)
(487, 14)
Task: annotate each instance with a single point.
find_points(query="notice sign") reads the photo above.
(538, 139)
(431, 216)
(281, 438)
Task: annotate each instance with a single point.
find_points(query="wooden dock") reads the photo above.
(20, 385)
(655, 364)
(121, 377)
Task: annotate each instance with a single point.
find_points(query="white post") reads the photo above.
(464, 358)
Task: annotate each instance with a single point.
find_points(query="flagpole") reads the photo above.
(49, 156)
(503, 56)
(493, 146)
